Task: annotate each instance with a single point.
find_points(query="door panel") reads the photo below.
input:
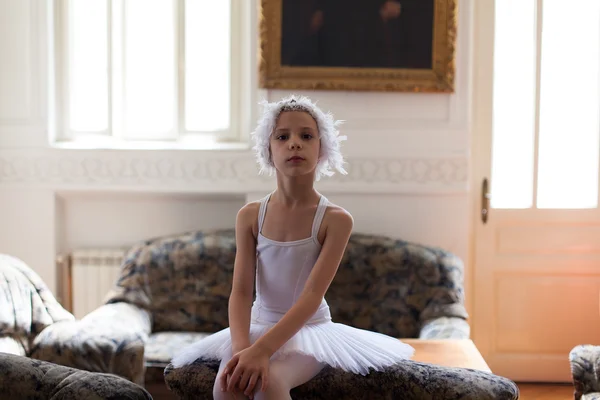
(536, 271)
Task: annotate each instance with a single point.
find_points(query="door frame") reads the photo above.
(481, 142)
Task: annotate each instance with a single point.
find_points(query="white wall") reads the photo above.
(408, 160)
(117, 219)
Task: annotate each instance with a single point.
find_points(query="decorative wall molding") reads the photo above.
(215, 172)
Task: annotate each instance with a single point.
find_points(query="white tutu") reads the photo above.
(341, 346)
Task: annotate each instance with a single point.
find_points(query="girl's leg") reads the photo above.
(286, 374)
(217, 393)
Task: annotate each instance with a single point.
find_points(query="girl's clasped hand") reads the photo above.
(244, 370)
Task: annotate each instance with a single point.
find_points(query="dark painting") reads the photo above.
(357, 33)
(376, 45)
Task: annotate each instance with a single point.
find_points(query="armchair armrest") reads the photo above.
(110, 339)
(585, 368)
(445, 328)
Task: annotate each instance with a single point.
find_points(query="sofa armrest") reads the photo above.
(585, 368)
(409, 380)
(110, 339)
(444, 315)
(445, 328)
(23, 378)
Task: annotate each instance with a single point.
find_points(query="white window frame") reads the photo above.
(240, 83)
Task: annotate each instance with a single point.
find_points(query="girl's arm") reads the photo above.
(338, 232)
(240, 300)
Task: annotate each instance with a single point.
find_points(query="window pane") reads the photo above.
(88, 69)
(149, 75)
(207, 64)
(569, 105)
(514, 104)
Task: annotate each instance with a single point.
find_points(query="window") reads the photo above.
(147, 70)
(546, 111)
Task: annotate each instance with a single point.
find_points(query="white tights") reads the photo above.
(284, 375)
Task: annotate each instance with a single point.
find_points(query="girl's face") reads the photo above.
(295, 143)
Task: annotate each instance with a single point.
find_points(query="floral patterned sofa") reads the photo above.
(27, 308)
(585, 367)
(174, 290)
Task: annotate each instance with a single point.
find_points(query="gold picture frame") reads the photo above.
(438, 78)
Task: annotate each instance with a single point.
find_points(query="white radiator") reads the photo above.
(93, 274)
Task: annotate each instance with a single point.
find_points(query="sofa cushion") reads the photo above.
(162, 346)
(12, 345)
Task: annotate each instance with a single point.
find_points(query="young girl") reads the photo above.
(291, 243)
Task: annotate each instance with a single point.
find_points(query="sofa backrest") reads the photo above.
(393, 286)
(385, 285)
(183, 280)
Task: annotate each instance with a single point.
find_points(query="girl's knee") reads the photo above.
(277, 389)
(218, 394)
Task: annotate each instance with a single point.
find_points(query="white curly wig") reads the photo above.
(330, 155)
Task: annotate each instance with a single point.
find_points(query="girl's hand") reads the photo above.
(245, 369)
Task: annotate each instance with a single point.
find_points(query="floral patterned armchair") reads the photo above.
(585, 368)
(27, 310)
(27, 306)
